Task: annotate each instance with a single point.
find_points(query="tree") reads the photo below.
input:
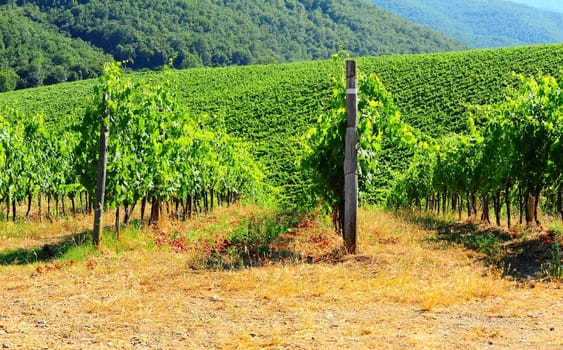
(8, 80)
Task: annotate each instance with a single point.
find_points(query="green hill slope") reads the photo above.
(492, 23)
(219, 33)
(273, 105)
(552, 5)
(33, 52)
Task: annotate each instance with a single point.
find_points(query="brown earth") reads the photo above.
(403, 290)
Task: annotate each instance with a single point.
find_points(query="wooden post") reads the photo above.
(101, 178)
(351, 160)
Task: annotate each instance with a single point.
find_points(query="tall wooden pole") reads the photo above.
(351, 160)
(101, 178)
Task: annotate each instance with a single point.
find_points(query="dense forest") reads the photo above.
(204, 33)
(552, 5)
(494, 23)
(33, 52)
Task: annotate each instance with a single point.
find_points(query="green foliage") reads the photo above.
(34, 53)
(220, 33)
(258, 232)
(554, 267)
(417, 182)
(156, 148)
(518, 144)
(33, 159)
(272, 106)
(8, 80)
(494, 23)
(487, 243)
(378, 117)
(251, 242)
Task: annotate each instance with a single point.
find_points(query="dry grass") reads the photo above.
(25, 235)
(399, 291)
(423, 274)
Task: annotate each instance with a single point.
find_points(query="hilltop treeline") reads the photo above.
(34, 53)
(495, 23)
(203, 33)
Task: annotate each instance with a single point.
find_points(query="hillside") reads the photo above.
(273, 105)
(33, 52)
(222, 33)
(552, 5)
(481, 24)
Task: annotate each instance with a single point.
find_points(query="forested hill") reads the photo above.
(481, 24)
(221, 33)
(552, 5)
(33, 52)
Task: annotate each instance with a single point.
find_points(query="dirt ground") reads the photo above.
(400, 292)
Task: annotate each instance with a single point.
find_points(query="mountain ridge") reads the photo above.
(482, 24)
(551, 5)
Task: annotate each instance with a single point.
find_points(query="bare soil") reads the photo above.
(400, 292)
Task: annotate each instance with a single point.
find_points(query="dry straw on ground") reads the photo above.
(401, 291)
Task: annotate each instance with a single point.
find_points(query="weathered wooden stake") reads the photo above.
(101, 178)
(351, 160)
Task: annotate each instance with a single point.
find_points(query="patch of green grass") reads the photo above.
(16, 229)
(130, 238)
(554, 267)
(68, 248)
(485, 242)
(78, 253)
(556, 227)
(259, 231)
(77, 246)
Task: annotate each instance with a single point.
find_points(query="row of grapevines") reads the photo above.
(378, 119)
(514, 154)
(157, 152)
(271, 106)
(34, 162)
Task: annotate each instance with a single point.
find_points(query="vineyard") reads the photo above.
(272, 106)
(168, 122)
(511, 153)
(157, 153)
(238, 168)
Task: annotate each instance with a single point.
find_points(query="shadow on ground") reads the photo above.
(229, 255)
(520, 258)
(267, 240)
(46, 252)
